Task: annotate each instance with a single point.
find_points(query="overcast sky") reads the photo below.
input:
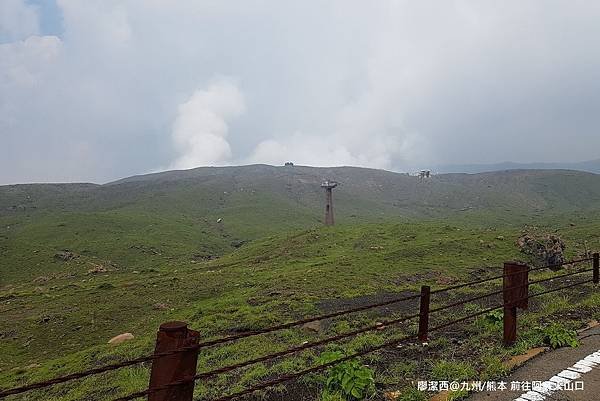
(94, 90)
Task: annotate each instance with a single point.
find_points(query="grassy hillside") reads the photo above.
(592, 166)
(276, 192)
(149, 249)
(149, 220)
(60, 322)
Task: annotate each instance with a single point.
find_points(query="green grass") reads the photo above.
(166, 258)
(452, 371)
(63, 324)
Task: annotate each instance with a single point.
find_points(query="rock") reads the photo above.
(500, 237)
(548, 249)
(121, 338)
(444, 280)
(97, 269)
(315, 327)
(219, 220)
(238, 243)
(203, 257)
(253, 302)
(160, 306)
(392, 395)
(65, 255)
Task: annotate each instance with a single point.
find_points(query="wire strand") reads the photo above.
(286, 378)
(80, 375)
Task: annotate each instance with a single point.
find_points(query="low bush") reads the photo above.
(350, 379)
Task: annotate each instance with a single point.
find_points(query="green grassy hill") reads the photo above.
(60, 322)
(148, 249)
(592, 166)
(175, 213)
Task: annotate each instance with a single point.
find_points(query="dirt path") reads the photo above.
(577, 366)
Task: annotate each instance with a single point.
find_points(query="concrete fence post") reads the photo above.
(176, 367)
(596, 268)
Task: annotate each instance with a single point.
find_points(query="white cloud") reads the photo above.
(24, 63)
(18, 20)
(302, 149)
(200, 129)
(123, 89)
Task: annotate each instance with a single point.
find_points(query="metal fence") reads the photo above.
(174, 361)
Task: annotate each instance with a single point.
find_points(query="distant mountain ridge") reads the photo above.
(263, 191)
(590, 166)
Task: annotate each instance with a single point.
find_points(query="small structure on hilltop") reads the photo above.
(424, 174)
(289, 164)
(328, 185)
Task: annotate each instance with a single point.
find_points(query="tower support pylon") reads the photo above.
(329, 185)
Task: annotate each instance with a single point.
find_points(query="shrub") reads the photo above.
(494, 318)
(556, 336)
(351, 379)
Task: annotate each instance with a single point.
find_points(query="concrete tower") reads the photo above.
(328, 185)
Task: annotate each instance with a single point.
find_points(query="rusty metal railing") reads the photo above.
(174, 361)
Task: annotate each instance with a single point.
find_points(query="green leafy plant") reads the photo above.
(351, 379)
(495, 317)
(490, 321)
(556, 336)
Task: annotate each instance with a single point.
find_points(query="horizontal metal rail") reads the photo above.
(107, 368)
(289, 377)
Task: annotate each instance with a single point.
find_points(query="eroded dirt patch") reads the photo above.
(339, 304)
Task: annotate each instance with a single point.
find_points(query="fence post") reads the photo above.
(175, 367)
(516, 290)
(424, 313)
(596, 268)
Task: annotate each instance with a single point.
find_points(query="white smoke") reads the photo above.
(200, 129)
(95, 92)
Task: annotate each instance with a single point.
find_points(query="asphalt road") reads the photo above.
(577, 366)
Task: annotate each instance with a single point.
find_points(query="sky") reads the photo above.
(96, 90)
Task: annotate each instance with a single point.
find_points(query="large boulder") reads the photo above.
(547, 249)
